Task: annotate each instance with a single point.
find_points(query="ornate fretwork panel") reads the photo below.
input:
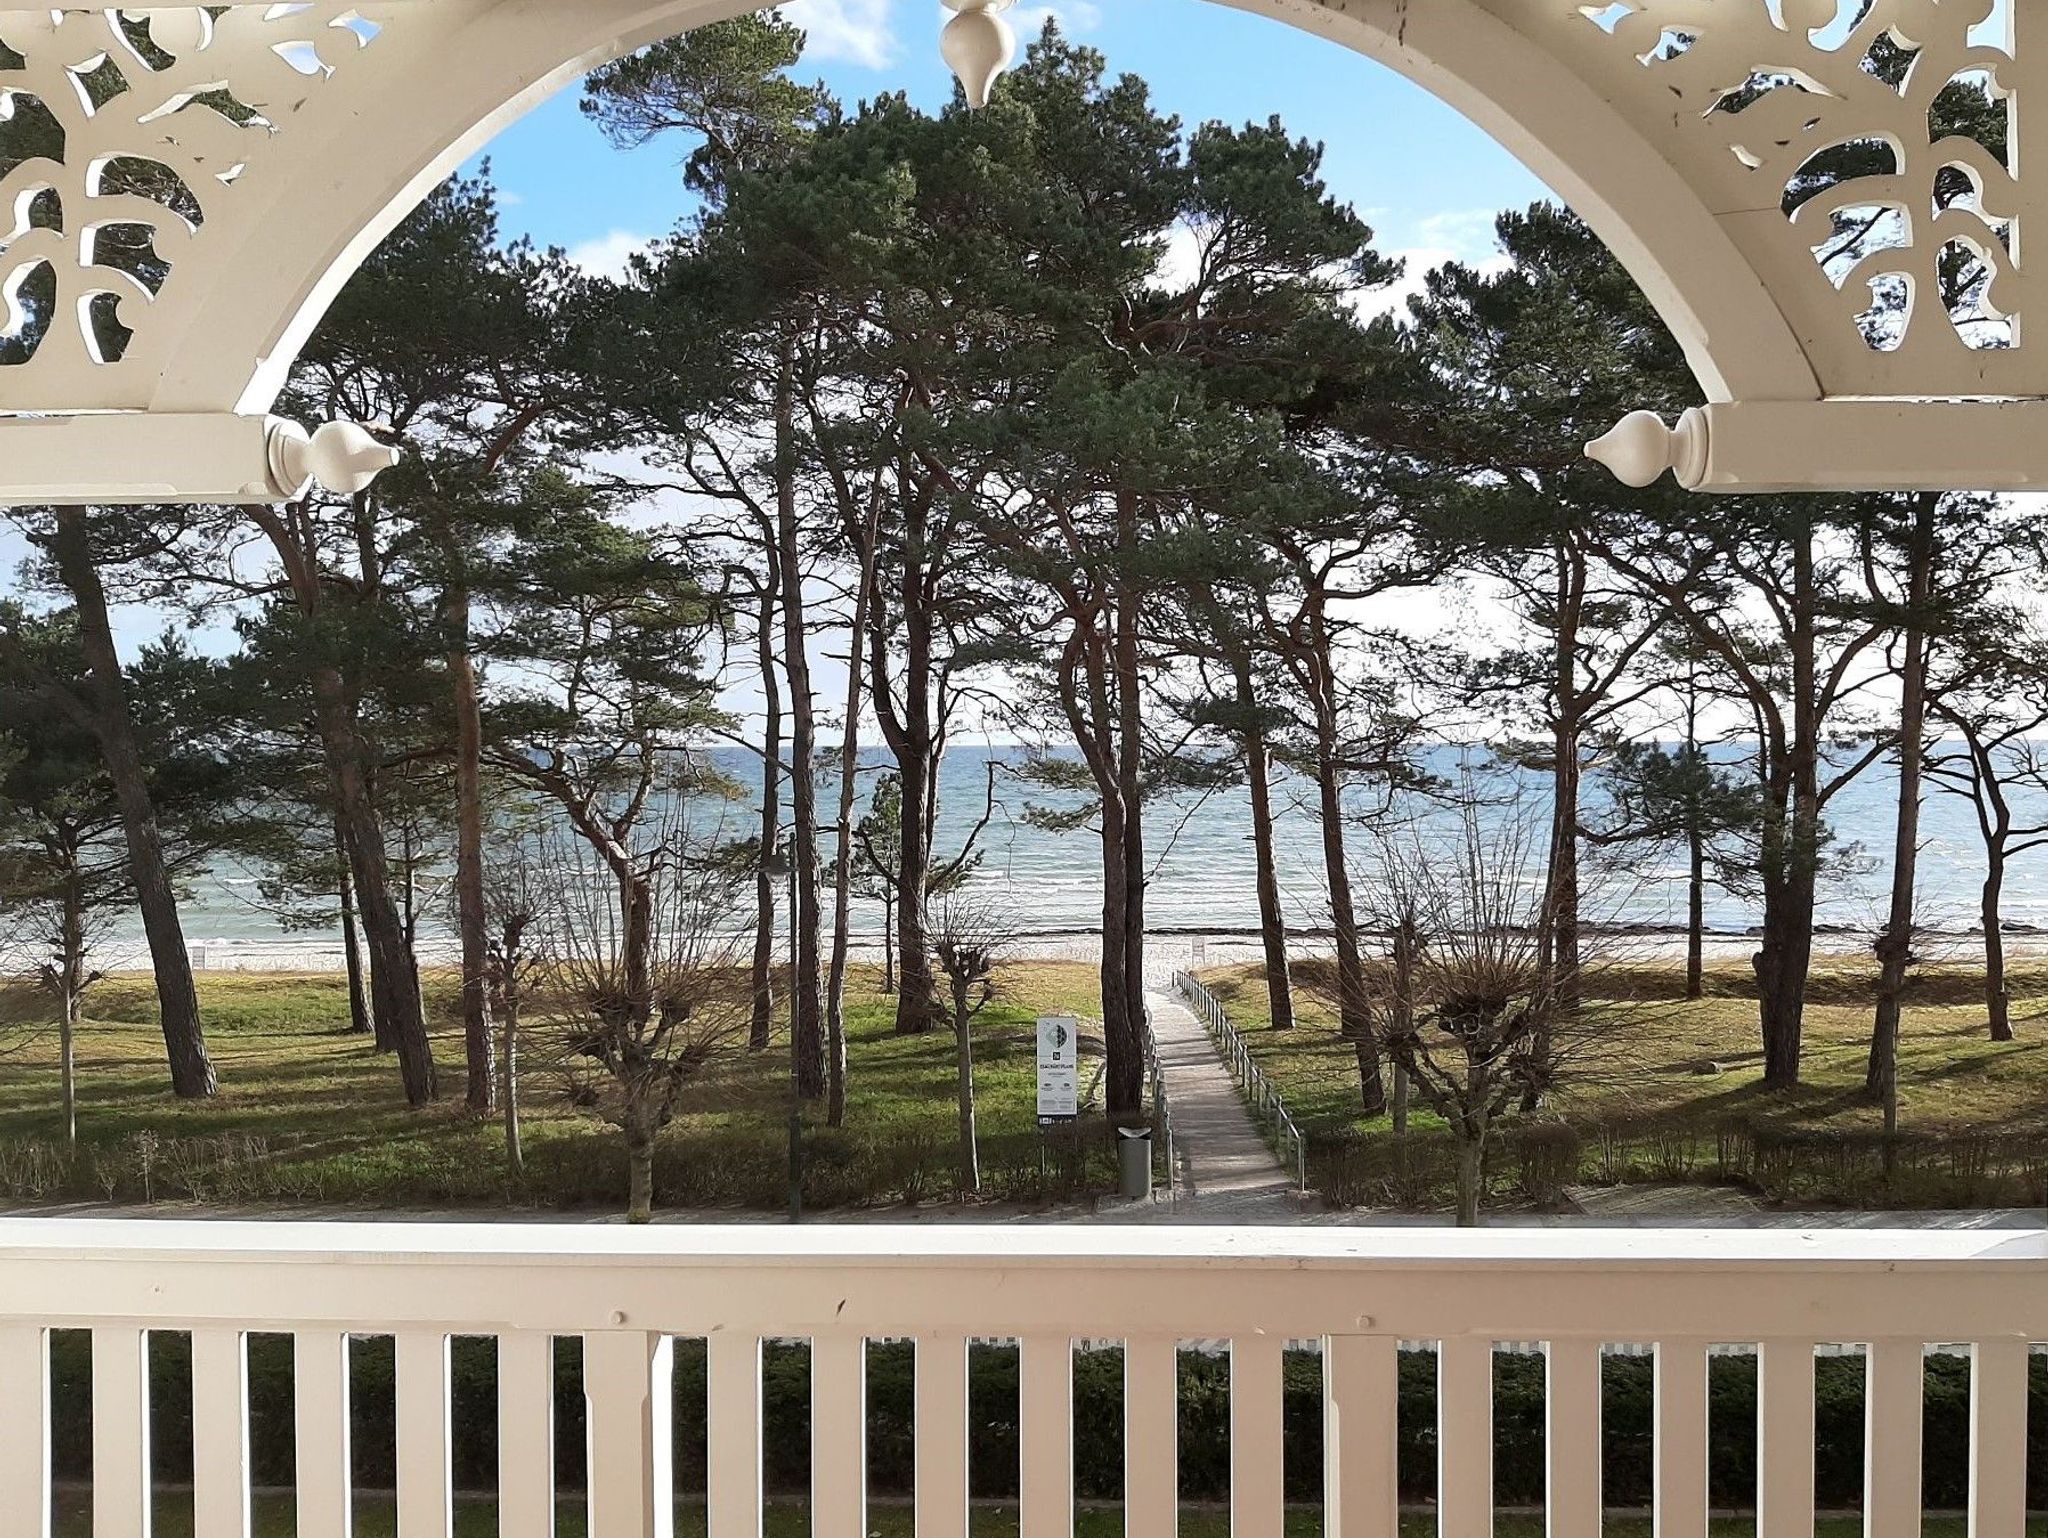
(142, 143)
(1864, 156)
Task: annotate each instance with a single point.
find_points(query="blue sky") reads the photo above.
(1427, 180)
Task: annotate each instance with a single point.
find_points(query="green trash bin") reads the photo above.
(1134, 1162)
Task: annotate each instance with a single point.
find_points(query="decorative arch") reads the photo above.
(302, 133)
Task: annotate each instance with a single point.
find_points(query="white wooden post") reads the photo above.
(1151, 1437)
(1892, 1451)
(1998, 1439)
(629, 1389)
(320, 1417)
(526, 1435)
(426, 1503)
(839, 1435)
(220, 1434)
(940, 1437)
(733, 1454)
(1571, 1438)
(120, 1432)
(1681, 1448)
(1258, 1475)
(1046, 1426)
(1464, 1414)
(1784, 1439)
(24, 1431)
(1361, 1440)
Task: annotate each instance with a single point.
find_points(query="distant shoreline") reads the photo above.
(1170, 948)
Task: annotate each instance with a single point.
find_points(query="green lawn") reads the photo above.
(478, 1518)
(1977, 1111)
(310, 1114)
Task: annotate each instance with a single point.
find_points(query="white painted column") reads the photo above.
(1784, 1439)
(526, 1435)
(1681, 1448)
(1151, 1437)
(941, 1438)
(733, 1453)
(1464, 1418)
(1571, 1438)
(426, 1503)
(24, 1432)
(1998, 1439)
(220, 1434)
(1046, 1424)
(1361, 1439)
(120, 1432)
(839, 1434)
(1892, 1450)
(1258, 1474)
(320, 1420)
(629, 1391)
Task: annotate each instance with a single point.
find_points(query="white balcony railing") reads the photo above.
(1360, 1292)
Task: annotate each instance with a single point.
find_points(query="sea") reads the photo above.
(1045, 878)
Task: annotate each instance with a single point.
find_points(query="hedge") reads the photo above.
(1534, 1162)
(1098, 1410)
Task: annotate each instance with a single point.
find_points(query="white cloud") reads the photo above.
(856, 31)
(610, 255)
(1464, 236)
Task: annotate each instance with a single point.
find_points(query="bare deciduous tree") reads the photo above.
(970, 940)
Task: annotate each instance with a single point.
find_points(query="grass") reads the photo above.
(477, 1517)
(310, 1113)
(1651, 1044)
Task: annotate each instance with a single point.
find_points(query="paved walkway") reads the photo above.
(1227, 1173)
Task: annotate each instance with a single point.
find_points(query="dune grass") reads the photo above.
(310, 1113)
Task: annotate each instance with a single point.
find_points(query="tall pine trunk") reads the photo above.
(394, 969)
(761, 1027)
(1354, 1017)
(842, 866)
(1895, 945)
(1125, 1033)
(1791, 852)
(1997, 1000)
(1272, 921)
(806, 1009)
(478, 1033)
(192, 1076)
(360, 1019)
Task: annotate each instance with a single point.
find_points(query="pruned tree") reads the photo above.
(971, 939)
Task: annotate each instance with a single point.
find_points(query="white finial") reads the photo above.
(1640, 448)
(978, 45)
(341, 457)
(178, 30)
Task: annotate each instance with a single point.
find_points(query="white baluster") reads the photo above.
(1891, 1459)
(320, 1417)
(1151, 1438)
(1361, 1444)
(839, 1434)
(1681, 1439)
(120, 1432)
(220, 1434)
(24, 1432)
(1258, 1484)
(1464, 1412)
(733, 1451)
(1571, 1438)
(629, 1388)
(526, 1435)
(1998, 1439)
(1784, 1439)
(1046, 1425)
(941, 1437)
(425, 1498)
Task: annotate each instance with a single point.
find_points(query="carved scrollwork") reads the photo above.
(1857, 150)
(127, 137)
